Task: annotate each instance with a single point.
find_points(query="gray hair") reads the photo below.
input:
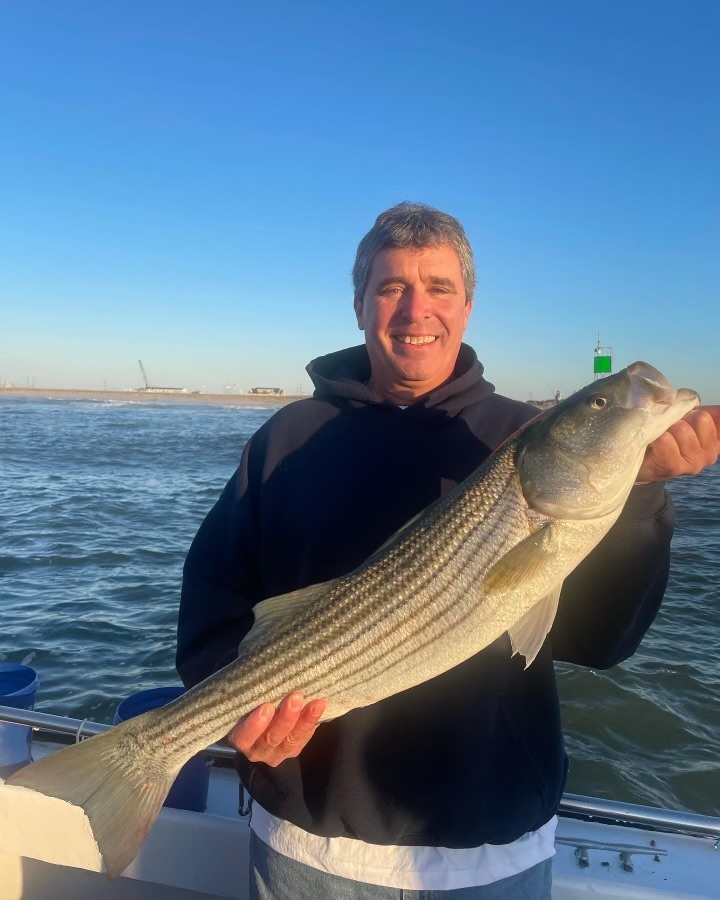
(413, 225)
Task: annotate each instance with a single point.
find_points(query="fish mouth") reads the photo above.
(685, 395)
(651, 391)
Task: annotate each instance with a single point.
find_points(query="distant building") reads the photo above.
(276, 392)
(162, 390)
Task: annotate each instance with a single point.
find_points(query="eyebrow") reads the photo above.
(433, 279)
(442, 282)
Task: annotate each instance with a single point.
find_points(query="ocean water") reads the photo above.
(99, 501)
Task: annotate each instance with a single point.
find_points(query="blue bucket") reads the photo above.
(191, 785)
(18, 687)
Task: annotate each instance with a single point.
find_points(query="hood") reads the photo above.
(345, 373)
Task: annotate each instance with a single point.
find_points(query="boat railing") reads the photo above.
(571, 805)
(80, 728)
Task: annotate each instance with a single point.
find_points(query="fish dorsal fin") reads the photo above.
(277, 611)
(527, 560)
(394, 538)
(528, 634)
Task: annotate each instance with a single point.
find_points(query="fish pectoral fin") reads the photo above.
(526, 561)
(275, 611)
(528, 634)
(529, 561)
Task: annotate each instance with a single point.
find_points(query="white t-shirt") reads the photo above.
(410, 868)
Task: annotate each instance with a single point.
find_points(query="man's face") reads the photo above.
(413, 312)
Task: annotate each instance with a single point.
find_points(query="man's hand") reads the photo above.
(686, 448)
(270, 736)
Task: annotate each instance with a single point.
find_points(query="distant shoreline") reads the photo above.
(144, 396)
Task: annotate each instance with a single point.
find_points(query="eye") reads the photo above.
(598, 402)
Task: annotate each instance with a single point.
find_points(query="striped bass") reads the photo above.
(488, 558)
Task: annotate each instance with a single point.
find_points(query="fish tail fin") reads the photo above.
(120, 788)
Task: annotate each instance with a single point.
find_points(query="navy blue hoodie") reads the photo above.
(475, 755)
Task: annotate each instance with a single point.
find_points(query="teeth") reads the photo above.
(412, 339)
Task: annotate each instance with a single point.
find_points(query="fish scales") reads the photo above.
(354, 615)
(383, 616)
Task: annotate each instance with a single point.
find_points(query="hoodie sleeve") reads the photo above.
(220, 582)
(608, 603)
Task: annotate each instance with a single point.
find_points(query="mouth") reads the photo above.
(415, 339)
(658, 397)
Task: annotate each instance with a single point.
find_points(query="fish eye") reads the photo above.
(598, 402)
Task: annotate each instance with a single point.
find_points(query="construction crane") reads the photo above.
(142, 369)
(154, 388)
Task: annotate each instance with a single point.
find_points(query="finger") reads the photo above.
(296, 739)
(661, 458)
(283, 722)
(305, 726)
(251, 727)
(686, 448)
(697, 441)
(264, 728)
(712, 411)
(278, 728)
(705, 421)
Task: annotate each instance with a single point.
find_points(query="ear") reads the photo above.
(358, 304)
(468, 310)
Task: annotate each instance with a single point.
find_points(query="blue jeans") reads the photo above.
(277, 877)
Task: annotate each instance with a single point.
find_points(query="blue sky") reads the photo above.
(185, 183)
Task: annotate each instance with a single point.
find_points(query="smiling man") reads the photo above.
(449, 789)
(413, 309)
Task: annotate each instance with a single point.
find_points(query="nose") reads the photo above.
(414, 304)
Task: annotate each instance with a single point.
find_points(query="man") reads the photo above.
(450, 787)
